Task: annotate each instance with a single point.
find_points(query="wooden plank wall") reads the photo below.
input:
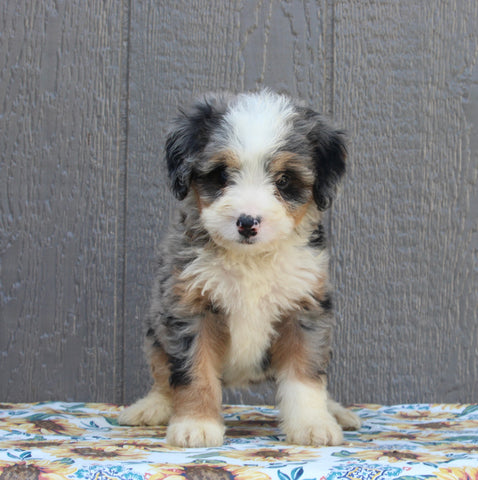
(86, 94)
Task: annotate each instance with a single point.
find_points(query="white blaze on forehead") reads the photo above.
(254, 127)
(257, 125)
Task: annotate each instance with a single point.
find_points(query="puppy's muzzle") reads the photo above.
(248, 226)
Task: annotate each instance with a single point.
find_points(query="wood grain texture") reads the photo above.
(404, 227)
(59, 87)
(87, 94)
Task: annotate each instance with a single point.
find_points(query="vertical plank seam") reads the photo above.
(330, 78)
(122, 205)
(330, 84)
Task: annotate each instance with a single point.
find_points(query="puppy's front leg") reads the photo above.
(302, 386)
(197, 419)
(304, 415)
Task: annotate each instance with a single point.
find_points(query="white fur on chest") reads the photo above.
(253, 291)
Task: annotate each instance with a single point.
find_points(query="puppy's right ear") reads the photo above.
(187, 140)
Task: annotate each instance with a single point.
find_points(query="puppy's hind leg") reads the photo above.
(153, 409)
(347, 419)
(156, 407)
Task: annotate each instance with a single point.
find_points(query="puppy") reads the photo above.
(242, 292)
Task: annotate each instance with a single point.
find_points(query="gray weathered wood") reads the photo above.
(86, 96)
(59, 86)
(404, 227)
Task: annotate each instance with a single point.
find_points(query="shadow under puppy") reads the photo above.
(242, 292)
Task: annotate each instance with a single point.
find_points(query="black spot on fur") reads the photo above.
(326, 303)
(178, 344)
(213, 308)
(266, 361)
(179, 365)
(318, 238)
(180, 375)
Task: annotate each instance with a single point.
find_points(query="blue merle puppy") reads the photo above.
(242, 292)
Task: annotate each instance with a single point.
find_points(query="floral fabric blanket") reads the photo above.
(52, 441)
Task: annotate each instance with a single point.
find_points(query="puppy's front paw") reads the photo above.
(318, 431)
(154, 409)
(194, 433)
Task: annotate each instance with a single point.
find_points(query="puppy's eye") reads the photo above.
(212, 183)
(283, 181)
(290, 186)
(219, 176)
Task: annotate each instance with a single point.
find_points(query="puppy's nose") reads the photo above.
(248, 225)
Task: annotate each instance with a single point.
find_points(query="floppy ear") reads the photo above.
(186, 142)
(329, 152)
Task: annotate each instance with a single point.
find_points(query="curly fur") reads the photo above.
(242, 291)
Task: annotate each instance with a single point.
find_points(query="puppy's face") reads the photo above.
(253, 199)
(255, 164)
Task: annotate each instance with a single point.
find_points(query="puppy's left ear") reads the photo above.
(329, 153)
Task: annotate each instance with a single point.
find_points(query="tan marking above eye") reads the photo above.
(227, 158)
(283, 162)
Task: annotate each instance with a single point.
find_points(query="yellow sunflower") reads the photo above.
(400, 456)
(422, 414)
(40, 469)
(421, 426)
(455, 425)
(46, 446)
(457, 473)
(271, 455)
(121, 449)
(46, 426)
(455, 447)
(104, 450)
(211, 471)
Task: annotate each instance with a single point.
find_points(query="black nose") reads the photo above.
(248, 225)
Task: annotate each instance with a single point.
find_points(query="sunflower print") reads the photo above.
(407, 456)
(274, 455)
(55, 440)
(209, 471)
(35, 469)
(456, 473)
(45, 425)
